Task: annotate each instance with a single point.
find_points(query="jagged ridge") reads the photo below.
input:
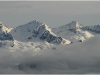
(95, 28)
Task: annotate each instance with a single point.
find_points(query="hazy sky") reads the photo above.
(53, 13)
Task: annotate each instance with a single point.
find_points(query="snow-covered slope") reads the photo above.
(73, 31)
(4, 32)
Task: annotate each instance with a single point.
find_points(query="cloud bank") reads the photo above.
(77, 58)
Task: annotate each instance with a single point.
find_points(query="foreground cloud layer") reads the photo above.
(75, 58)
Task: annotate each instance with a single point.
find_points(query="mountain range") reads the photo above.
(38, 36)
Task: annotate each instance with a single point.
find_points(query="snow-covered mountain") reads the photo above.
(37, 36)
(75, 31)
(34, 35)
(37, 31)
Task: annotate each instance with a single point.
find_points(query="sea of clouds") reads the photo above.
(77, 58)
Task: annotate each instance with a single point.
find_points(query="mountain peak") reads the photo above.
(75, 25)
(4, 28)
(35, 22)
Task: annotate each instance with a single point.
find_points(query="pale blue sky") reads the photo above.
(53, 13)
